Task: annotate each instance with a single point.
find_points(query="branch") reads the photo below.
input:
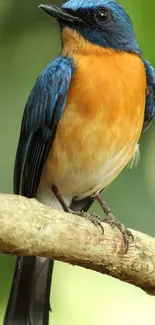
(30, 228)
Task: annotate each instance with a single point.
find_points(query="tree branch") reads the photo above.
(30, 228)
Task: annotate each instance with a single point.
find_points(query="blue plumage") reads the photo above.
(89, 4)
(47, 98)
(117, 33)
(150, 95)
(43, 110)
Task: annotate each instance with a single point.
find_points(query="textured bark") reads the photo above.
(30, 228)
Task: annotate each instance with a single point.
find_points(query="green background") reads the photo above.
(29, 39)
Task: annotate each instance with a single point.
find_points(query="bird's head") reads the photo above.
(104, 23)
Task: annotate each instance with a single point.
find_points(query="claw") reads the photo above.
(126, 233)
(95, 219)
(111, 220)
(92, 217)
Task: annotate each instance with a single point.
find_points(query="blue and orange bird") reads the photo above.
(81, 126)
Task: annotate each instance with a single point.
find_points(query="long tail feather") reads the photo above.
(29, 298)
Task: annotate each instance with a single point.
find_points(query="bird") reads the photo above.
(80, 128)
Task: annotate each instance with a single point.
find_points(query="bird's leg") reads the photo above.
(90, 216)
(127, 235)
(60, 198)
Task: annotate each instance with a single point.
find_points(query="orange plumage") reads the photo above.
(102, 121)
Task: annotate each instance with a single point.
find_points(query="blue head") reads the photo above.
(101, 22)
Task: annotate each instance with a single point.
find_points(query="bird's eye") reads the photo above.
(102, 15)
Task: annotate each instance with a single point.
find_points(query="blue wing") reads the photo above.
(150, 95)
(42, 112)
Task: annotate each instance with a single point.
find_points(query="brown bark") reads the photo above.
(30, 228)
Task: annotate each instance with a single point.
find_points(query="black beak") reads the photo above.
(60, 13)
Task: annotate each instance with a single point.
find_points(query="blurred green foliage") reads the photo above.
(29, 39)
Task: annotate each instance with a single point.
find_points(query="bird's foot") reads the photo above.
(126, 233)
(92, 217)
(110, 219)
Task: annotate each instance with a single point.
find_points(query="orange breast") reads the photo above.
(101, 123)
